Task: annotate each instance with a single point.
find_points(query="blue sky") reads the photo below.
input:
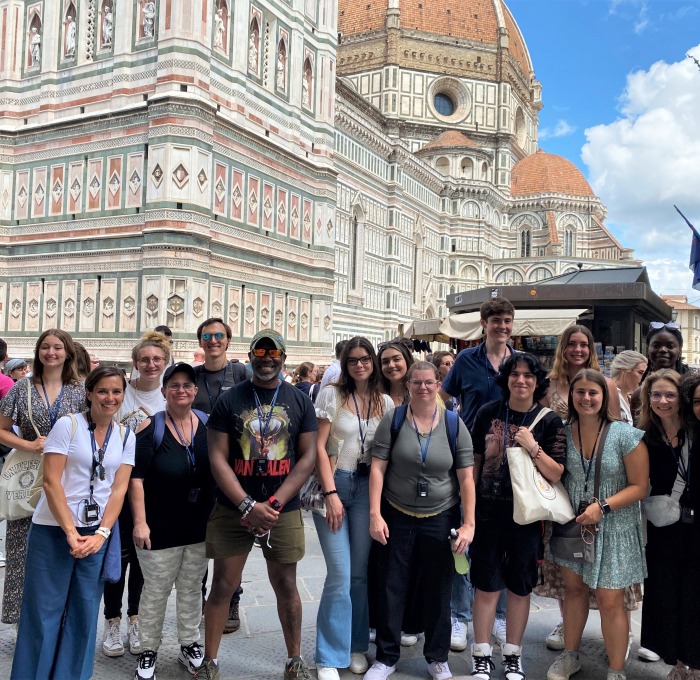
(622, 102)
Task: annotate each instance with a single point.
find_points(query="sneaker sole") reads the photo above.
(555, 646)
(561, 677)
(135, 650)
(112, 654)
(460, 647)
(187, 666)
(231, 629)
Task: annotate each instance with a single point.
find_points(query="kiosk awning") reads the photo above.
(527, 322)
(425, 329)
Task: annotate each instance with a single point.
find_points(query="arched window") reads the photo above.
(569, 242)
(281, 69)
(389, 245)
(441, 266)
(453, 267)
(509, 276)
(307, 84)
(467, 167)
(442, 165)
(525, 243)
(540, 274)
(484, 171)
(353, 255)
(254, 47)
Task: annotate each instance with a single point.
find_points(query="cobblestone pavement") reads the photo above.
(256, 651)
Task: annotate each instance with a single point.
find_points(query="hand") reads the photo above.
(37, 445)
(592, 514)
(334, 512)
(88, 546)
(465, 535)
(142, 536)
(263, 517)
(525, 439)
(378, 529)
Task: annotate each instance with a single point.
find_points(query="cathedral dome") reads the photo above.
(545, 173)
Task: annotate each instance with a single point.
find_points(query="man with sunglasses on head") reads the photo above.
(214, 377)
(262, 448)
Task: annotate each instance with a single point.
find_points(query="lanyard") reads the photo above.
(363, 433)
(53, 410)
(189, 448)
(264, 423)
(423, 448)
(212, 401)
(505, 432)
(91, 429)
(682, 461)
(587, 471)
(488, 366)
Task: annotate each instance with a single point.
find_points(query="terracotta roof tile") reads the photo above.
(450, 138)
(546, 173)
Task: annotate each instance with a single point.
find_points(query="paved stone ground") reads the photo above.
(256, 651)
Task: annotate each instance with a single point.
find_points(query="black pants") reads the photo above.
(114, 592)
(421, 542)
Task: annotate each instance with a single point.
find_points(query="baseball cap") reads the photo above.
(276, 338)
(12, 364)
(182, 367)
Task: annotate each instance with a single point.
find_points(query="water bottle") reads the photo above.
(461, 561)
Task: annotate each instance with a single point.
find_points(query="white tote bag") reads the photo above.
(534, 497)
(22, 478)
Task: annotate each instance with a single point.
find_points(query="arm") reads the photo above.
(550, 469)
(467, 492)
(9, 438)
(54, 464)
(141, 532)
(613, 399)
(377, 526)
(324, 470)
(304, 466)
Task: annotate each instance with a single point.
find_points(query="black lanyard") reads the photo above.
(264, 423)
(587, 471)
(504, 458)
(53, 410)
(488, 366)
(95, 448)
(189, 448)
(212, 401)
(423, 447)
(682, 466)
(363, 433)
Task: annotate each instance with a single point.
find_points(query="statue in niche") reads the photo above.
(107, 26)
(35, 46)
(149, 18)
(306, 85)
(253, 48)
(219, 29)
(282, 67)
(69, 51)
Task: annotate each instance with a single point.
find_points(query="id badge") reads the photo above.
(261, 466)
(688, 515)
(193, 496)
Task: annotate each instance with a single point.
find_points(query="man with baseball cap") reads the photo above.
(262, 448)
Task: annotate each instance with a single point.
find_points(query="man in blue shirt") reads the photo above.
(473, 380)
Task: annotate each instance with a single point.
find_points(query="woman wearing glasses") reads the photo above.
(672, 588)
(171, 495)
(53, 391)
(348, 414)
(619, 545)
(416, 483)
(143, 398)
(87, 463)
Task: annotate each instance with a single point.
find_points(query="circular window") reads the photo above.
(444, 104)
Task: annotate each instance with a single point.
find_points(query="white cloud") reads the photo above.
(561, 129)
(648, 160)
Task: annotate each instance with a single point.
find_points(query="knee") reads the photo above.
(576, 590)
(610, 603)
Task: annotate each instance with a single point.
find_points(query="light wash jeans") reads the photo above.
(346, 553)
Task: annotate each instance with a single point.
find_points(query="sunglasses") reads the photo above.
(261, 352)
(98, 469)
(217, 336)
(671, 325)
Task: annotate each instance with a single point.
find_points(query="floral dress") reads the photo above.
(14, 405)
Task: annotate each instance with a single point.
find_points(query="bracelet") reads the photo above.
(245, 504)
(104, 532)
(249, 509)
(325, 494)
(536, 448)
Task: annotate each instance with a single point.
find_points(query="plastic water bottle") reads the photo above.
(461, 561)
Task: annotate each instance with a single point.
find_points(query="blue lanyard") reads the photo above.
(53, 410)
(189, 448)
(587, 472)
(363, 433)
(423, 447)
(504, 458)
(95, 448)
(264, 423)
(221, 387)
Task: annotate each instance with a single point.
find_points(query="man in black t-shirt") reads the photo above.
(262, 448)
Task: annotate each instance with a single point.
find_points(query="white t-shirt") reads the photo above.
(139, 405)
(331, 374)
(76, 475)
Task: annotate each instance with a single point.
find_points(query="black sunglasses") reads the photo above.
(98, 469)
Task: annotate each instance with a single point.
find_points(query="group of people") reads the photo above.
(409, 462)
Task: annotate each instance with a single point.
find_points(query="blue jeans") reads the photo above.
(56, 637)
(462, 599)
(346, 553)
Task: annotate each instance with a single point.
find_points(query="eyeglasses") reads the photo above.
(671, 325)
(427, 383)
(353, 361)
(217, 336)
(658, 396)
(261, 352)
(156, 361)
(98, 469)
(174, 387)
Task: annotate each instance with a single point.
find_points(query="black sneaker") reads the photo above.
(191, 657)
(146, 666)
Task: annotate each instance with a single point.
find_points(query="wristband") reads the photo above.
(104, 532)
(276, 505)
(325, 494)
(249, 509)
(245, 504)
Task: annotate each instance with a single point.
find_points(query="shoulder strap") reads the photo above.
(452, 427)
(158, 429)
(73, 426)
(238, 371)
(203, 417)
(599, 459)
(539, 417)
(397, 423)
(125, 436)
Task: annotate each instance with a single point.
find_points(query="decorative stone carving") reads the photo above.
(108, 308)
(16, 308)
(254, 46)
(35, 46)
(216, 308)
(88, 306)
(33, 308)
(107, 25)
(68, 312)
(157, 175)
(176, 312)
(180, 176)
(151, 307)
(129, 306)
(71, 28)
(220, 23)
(148, 19)
(51, 307)
(307, 84)
(198, 307)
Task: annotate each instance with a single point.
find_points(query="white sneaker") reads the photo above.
(191, 657)
(565, 666)
(481, 661)
(408, 640)
(379, 671)
(112, 644)
(616, 675)
(146, 666)
(358, 663)
(555, 640)
(458, 639)
(499, 631)
(439, 670)
(133, 635)
(326, 673)
(647, 655)
(2, 559)
(512, 662)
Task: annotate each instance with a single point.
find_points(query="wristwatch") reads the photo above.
(604, 507)
(276, 505)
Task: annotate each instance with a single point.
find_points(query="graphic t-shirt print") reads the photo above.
(265, 444)
(491, 473)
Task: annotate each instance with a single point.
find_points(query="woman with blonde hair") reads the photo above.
(627, 370)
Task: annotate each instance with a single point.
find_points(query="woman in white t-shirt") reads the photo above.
(87, 464)
(142, 399)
